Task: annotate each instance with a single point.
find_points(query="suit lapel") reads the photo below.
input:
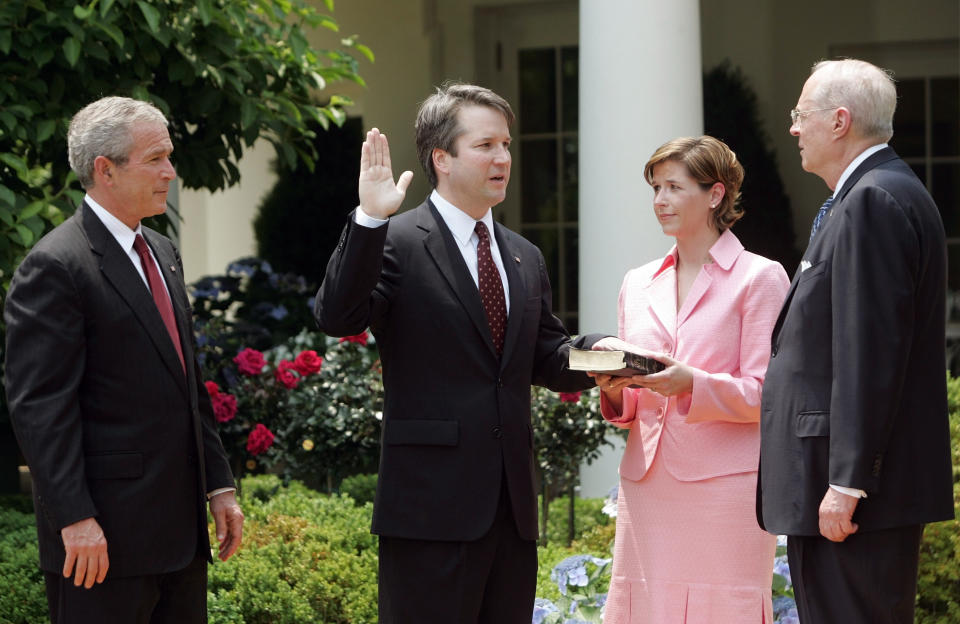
(443, 250)
(512, 261)
(662, 295)
(118, 270)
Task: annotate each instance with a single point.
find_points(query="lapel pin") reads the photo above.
(173, 269)
(517, 258)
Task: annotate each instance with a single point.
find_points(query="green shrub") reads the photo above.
(938, 581)
(588, 513)
(597, 541)
(22, 597)
(361, 488)
(306, 557)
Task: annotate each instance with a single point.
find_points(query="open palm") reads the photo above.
(379, 196)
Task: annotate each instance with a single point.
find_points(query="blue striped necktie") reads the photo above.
(820, 215)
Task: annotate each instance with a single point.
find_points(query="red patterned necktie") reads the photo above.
(491, 288)
(160, 296)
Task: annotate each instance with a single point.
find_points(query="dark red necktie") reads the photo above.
(491, 288)
(160, 296)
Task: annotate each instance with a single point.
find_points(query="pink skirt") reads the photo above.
(690, 552)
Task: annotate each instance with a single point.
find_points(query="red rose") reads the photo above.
(569, 397)
(250, 362)
(224, 406)
(308, 363)
(259, 440)
(360, 338)
(212, 388)
(285, 374)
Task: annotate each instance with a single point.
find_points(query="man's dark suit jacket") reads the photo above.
(455, 415)
(108, 422)
(855, 393)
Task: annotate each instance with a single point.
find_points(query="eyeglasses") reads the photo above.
(796, 114)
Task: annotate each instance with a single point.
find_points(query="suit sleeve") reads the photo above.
(874, 268)
(735, 397)
(361, 276)
(46, 351)
(553, 345)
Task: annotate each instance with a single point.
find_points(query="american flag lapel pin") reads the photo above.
(517, 258)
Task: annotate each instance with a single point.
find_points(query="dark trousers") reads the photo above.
(488, 581)
(869, 578)
(173, 598)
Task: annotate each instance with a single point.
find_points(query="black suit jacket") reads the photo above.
(108, 422)
(456, 416)
(855, 393)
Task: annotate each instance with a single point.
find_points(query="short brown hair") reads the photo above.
(708, 160)
(437, 125)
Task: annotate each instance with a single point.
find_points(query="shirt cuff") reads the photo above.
(219, 491)
(849, 491)
(362, 218)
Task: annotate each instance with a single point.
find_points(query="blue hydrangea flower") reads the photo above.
(573, 571)
(241, 267)
(279, 312)
(783, 606)
(541, 609)
(781, 567)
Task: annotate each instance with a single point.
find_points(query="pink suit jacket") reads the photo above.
(723, 332)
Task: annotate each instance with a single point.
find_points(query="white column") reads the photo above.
(640, 86)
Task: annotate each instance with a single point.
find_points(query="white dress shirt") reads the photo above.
(461, 225)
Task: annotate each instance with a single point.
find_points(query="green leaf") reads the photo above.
(7, 196)
(16, 163)
(26, 236)
(364, 50)
(81, 12)
(6, 39)
(71, 50)
(112, 31)
(6, 216)
(248, 113)
(45, 129)
(32, 209)
(8, 120)
(105, 7)
(297, 43)
(205, 10)
(151, 15)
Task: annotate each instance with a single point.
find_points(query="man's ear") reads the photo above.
(842, 122)
(103, 169)
(441, 160)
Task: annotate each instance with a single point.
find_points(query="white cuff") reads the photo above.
(849, 491)
(362, 218)
(219, 491)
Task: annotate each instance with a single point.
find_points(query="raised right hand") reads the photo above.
(379, 196)
(86, 549)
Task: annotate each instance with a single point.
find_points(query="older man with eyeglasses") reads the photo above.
(855, 446)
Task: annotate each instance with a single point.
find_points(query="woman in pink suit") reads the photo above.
(688, 548)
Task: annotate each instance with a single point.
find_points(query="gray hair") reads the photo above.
(437, 125)
(866, 90)
(104, 128)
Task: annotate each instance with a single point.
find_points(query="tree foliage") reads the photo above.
(225, 72)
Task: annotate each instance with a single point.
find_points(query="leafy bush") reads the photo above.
(361, 488)
(938, 581)
(22, 597)
(306, 557)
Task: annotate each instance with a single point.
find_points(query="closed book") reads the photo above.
(616, 363)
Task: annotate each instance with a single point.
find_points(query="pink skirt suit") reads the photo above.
(688, 548)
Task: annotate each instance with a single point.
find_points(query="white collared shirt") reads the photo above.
(461, 225)
(125, 237)
(865, 154)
